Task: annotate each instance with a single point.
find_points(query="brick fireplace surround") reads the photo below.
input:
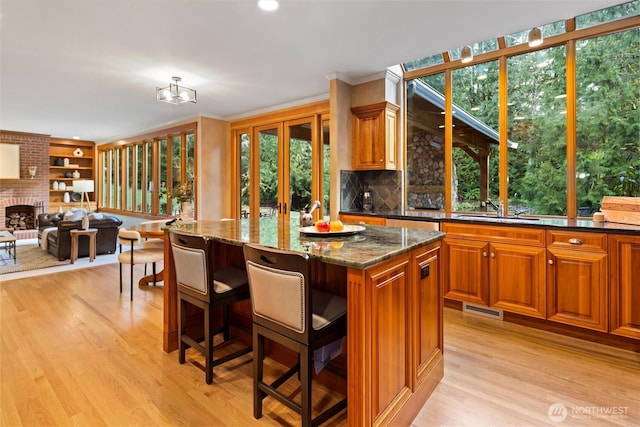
(34, 151)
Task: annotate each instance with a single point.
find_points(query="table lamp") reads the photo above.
(83, 186)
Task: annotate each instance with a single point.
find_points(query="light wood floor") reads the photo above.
(74, 351)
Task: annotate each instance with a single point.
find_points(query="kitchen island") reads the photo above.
(391, 279)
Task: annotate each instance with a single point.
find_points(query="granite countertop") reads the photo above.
(364, 249)
(546, 222)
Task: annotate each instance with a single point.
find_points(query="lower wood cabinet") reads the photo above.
(399, 302)
(362, 219)
(501, 267)
(577, 277)
(624, 262)
(426, 312)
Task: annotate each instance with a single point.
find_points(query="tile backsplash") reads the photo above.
(386, 187)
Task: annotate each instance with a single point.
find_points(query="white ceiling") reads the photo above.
(90, 67)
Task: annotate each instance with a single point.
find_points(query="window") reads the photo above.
(567, 136)
(476, 143)
(137, 176)
(608, 118)
(537, 166)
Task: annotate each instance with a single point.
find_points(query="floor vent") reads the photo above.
(482, 311)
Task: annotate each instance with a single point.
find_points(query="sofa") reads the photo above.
(56, 227)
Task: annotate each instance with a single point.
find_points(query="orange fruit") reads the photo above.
(336, 225)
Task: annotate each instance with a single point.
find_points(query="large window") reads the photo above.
(537, 117)
(138, 176)
(548, 130)
(476, 144)
(608, 118)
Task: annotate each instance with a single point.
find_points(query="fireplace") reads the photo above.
(23, 217)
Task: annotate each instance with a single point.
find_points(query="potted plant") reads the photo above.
(184, 194)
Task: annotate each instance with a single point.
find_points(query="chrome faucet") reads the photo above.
(499, 209)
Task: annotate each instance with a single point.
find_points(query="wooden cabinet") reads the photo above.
(500, 267)
(624, 262)
(426, 293)
(375, 137)
(395, 316)
(80, 155)
(577, 276)
(362, 219)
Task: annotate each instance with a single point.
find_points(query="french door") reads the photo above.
(281, 167)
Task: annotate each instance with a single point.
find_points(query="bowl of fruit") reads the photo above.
(331, 228)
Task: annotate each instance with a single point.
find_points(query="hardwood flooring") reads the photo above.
(74, 351)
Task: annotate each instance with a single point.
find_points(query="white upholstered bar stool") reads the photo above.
(208, 288)
(136, 254)
(287, 310)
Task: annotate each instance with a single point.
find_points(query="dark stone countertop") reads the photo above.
(478, 218)
(364, 249)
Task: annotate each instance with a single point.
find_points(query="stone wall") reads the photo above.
(425, 172)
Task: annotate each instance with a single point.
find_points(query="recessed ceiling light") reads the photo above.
(76, 137)
(268, 5)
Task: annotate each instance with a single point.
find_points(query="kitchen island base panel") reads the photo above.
(393, 355)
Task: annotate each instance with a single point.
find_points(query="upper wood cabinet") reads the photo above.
(625, 285)
(375, 137)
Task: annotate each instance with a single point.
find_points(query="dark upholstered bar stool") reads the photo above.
(205, 287)
(287, 310)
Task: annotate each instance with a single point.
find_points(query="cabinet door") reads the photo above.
(625, 285)
(368, 140)
(390, 370)
(466, 270)
(374, 142)
(427, 298)
(577, 288)
(517, 279)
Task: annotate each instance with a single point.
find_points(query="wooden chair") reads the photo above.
(136, 255)
(208, 288)
(287, 310)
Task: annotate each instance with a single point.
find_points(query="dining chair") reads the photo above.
(287, 310)
(136, 254)
(208, 288)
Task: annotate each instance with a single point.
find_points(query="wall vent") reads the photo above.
(482, 311)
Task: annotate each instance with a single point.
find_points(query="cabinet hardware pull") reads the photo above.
(493, 255)
(550, 262)
(484, 254)
(575, 241)
(381, 160)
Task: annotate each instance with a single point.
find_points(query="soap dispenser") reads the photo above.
(367, 200)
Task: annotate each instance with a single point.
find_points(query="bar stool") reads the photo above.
(287, 310)
(208, 288)
(136, 255)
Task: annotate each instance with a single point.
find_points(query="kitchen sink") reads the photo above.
(495, 218)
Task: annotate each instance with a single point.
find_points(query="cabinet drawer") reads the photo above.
(577, 241)
(491, 233)
(357, 219)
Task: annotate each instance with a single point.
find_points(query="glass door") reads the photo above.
(298, 164)
(287, 159)
(267, 168)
